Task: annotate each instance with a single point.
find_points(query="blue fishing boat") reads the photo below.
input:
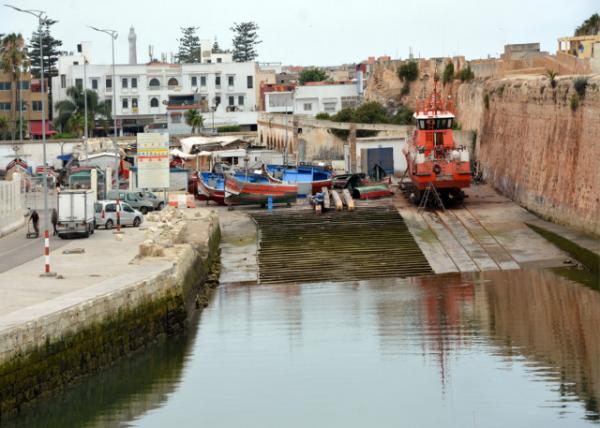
(211, 186)
(309, 179)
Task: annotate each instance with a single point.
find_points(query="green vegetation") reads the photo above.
(409, 71)
(404, 116)
(486, 100)
(64, 135)
(194, 119)
(312, 75)
(71, 111)
(448, 75)
(589, 27)
(456, 125)
(51, 48)
(4, 128)
(244, 41)
(466, 74)
(551, 74)
(574, 102)
(323, 116)
(229, 128)
(580, 85)
(189, 46)
(13, 58)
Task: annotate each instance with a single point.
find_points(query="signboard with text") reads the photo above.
(153, 161)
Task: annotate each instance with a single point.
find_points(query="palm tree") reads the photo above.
(71, 111)
(194, 119)
(13, 57)
(4, 128)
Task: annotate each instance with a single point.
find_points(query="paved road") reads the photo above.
(16, 249)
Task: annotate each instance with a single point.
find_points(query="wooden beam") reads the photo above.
(348, 199)
(326, 200)
(339, 205)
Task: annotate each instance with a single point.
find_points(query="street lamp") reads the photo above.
(42, 19)
(113, 36)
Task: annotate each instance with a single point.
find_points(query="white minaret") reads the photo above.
(132, 47)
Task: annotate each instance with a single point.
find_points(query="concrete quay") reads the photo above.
(119, 295)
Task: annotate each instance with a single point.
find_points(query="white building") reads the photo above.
(156, 92)
(313, 98)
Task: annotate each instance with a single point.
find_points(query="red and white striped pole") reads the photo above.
(47, 252)
(118, 215)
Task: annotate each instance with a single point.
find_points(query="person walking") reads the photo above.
(35, 220)
(54, 221)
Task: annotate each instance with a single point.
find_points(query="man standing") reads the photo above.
(35, 220)
(54, 221)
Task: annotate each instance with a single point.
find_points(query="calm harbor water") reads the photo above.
(518, 349)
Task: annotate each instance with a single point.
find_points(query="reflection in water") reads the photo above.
(495, 349)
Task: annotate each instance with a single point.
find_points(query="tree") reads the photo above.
(409, 71)
(245, 39)
(51, 50)
(216, 48)
(312, 74)
(448, 75)
(371, 112)
(189, 46)
(404, 116)
(4, 128)
(98, 111)
(466, 74)
(194, 119)
(13, 57)
(590, 26)
(551, 74)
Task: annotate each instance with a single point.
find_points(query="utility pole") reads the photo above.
(85, 110)
(41, 16)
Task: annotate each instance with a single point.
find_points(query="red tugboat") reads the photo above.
(433, 159)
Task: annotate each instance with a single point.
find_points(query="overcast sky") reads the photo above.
(313, 31)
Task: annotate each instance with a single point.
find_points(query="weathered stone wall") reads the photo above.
(538, 150)
(42, 356)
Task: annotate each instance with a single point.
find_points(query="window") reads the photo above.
(230, 80)
(241, 100)
(5, 107)
(75, 62)
(173, 82)
(194, 81)
(154, 102)
(202, 80)
(108, 83)
(249, 82)
(209, 61)
(127, 208)
(329, 107)
(217, 100)
(307, 106)
(24, 85)
(94, 84)
(108, 102)
(134, 82)
(125, 103)
(154, 83)
(23, 106)
(36, 105)
(124, 83)
(111, 208)
(218, 80)
(4, 86)
(219, 59)
(79, 83)
(232, 101)
(63, 81)
(134, 104)
(176, 117)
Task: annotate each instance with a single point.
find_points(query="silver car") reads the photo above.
(105, 213)
(157, 202)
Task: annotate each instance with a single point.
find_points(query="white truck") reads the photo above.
(75, 213)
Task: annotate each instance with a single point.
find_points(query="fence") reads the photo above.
(11, 205)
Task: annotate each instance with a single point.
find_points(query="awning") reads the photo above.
(35, 128)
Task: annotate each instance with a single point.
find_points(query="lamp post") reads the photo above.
(85, 110)
(113, 36)
(42, 19)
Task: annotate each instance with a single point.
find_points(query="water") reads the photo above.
(499, 349)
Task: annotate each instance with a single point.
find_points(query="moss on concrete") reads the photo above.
(57, 364)
(586, 257)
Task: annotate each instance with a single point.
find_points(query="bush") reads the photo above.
(312, 75)
(580, 85)
(486, 100)
(323, 116)
(466, 74)
(456, 125)
(574, 102)
(405, 89)
(409, 71)
(404, 116)
(229, 128)
(64, 135)
(552, 76)
(448, 75)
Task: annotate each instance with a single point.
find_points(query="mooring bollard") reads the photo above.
(270, 203)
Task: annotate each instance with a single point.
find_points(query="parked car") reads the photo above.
(75, 213)
(132, 198)
(157, 202)
(106, 214)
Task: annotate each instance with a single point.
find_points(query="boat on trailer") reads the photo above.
(309, 179)
(255, 189)
(211, 187)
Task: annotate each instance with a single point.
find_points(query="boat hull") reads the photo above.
(310, 180)
(211, 193)
(239, 192)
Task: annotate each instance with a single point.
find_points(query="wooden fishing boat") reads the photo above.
(310, 179)
(211, 187)
(375, 191)
(255, 189)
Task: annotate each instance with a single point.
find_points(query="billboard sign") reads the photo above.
(153, 161)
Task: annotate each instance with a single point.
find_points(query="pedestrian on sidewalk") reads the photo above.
(35, 220)
(54, 221)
